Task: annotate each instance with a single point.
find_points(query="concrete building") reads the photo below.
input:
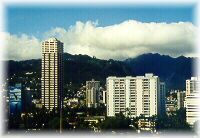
(15, 99)
(192, 100)
(92, 93)
(180, 99)
(27, 97)
(104, 97)
(93, 122)
(72, 102)
(170, 108)
(162, 96)
(147, 124)
(192, 85)
(52, 73)
(37, 103)
(135, 96)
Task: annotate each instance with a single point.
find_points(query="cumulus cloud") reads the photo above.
(120, 41)
(21, 47)
(127, 39)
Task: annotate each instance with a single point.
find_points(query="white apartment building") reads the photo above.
(135, 96)
(52, 73)
(192, 100)
(92, 93)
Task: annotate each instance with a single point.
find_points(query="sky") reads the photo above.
(106, 32)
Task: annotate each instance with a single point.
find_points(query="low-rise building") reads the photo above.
(73, 102)
(147, 124)
(37, 103)
(93, 121)
(170, 108)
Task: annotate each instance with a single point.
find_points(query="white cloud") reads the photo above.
(128, 39)
(21, 47)
(119, 41)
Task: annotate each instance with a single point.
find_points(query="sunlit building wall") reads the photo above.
(52, 73)
(192, 100)
(135, 96)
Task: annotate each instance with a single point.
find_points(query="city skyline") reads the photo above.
(90, 31)
(133, 104)
(101, 69)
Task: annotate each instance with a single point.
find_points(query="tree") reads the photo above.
(54, 123)
(176, 121)
(119, 122)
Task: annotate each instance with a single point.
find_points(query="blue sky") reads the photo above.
(123, 31)
(35, 20)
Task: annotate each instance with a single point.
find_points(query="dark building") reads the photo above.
(15, 99)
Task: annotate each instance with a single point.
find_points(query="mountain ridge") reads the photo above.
(79, 68)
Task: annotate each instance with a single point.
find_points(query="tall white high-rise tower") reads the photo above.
(52, 73)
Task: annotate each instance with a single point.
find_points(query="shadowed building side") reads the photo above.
(92, 93)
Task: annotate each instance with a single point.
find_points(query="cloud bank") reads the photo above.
(21, 47)
(120, 41)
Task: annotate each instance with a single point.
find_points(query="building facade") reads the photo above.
(104, 96)
(92, 93)
(192, 100)
(15, 99)
(135, 96)
(52, 73)
(147, 124)
(180, 99)
(162, 97)
(27, 97)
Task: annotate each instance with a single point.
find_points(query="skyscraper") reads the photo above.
(135, 96)
(52, 73)
(192, 100)
(92, 93)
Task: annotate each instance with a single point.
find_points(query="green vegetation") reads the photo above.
(117, 123)
(79, 68)
(176, 121)
(75, 119)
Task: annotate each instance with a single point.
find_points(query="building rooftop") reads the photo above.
(147, 75)
(52, 39)
(195, 78)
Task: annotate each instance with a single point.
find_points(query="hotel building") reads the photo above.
(135, 96)
(52, 73)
